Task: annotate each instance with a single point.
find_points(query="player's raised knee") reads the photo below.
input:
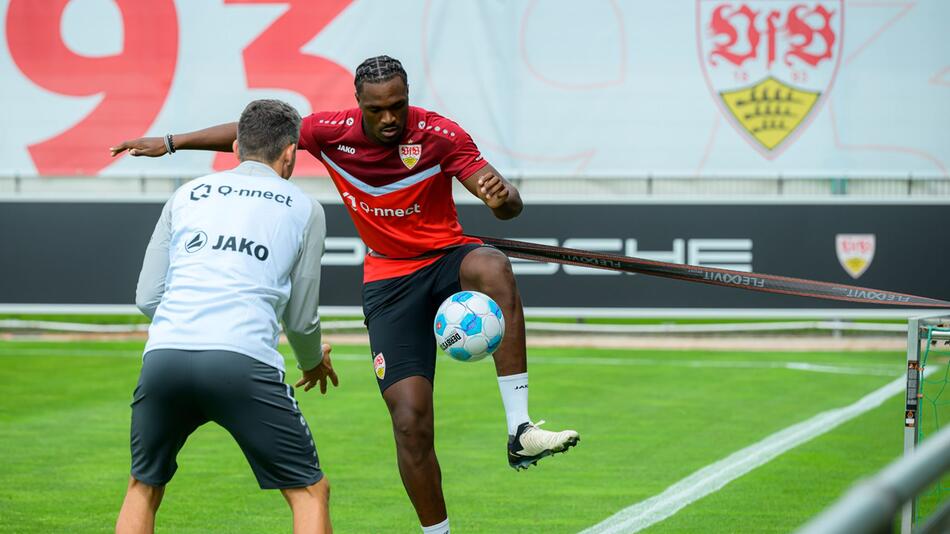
(486, 264)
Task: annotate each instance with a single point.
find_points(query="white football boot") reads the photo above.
(532, 443)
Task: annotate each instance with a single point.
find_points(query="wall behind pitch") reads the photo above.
(90, 253)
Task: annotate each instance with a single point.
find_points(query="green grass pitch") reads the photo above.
(647, 419)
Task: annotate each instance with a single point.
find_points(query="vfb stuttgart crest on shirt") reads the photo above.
(410, 155)
(770, 63)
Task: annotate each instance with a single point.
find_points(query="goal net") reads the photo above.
(928, 403)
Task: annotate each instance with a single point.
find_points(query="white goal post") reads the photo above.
(916, 335)
(871, 505)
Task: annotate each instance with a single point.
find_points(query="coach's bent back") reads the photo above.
(235, 237)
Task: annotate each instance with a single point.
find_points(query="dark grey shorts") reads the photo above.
(399, 315)
(180, 390)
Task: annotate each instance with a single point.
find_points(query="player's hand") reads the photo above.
(152, 147)
(320, 373)
(493, 190)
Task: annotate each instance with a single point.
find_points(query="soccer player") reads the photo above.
(393, 165)
(231, 253)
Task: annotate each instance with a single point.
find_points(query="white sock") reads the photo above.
(514, 395)
(441, 528)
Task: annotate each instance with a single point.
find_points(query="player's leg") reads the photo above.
(410, 407)
(139, 507)
(310, 507)
(399, 314)
(162, 419)
(252, 402)
(488, 270)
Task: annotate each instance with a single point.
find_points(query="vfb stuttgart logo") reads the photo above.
(410, 155)
(855, 252)
(770, 63)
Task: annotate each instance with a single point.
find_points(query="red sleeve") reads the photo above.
(464, 158)
(308, 141)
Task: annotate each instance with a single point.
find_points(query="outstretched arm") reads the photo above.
(219, 138)
(497, 193)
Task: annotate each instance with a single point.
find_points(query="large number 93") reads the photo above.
(275, 60)
(135, 82)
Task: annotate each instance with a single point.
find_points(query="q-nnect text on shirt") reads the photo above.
(231, 253)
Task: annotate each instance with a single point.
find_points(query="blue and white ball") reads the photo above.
(469, 326)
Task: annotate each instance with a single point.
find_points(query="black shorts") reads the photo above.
(399, 314)
(180, 390)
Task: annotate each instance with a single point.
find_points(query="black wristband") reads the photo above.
(169, 143)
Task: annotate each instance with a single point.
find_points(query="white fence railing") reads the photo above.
(891, 185)
(871, 505)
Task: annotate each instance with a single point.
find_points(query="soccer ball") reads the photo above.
(469, 326)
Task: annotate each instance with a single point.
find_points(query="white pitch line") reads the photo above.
(874, 370)
(713, 477)
(861, 370)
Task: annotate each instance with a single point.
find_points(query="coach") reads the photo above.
(231, 253)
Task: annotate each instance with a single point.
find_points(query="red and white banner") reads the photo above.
(770, 65)
(830, 88)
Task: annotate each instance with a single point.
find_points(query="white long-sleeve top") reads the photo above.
(231, 253)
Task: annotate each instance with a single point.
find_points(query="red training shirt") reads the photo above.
(400, 197)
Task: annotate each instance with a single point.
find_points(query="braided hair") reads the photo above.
(378, 69)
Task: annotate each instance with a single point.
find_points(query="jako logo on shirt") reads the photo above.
(245, 246)
(347, 149)
(197, 242)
